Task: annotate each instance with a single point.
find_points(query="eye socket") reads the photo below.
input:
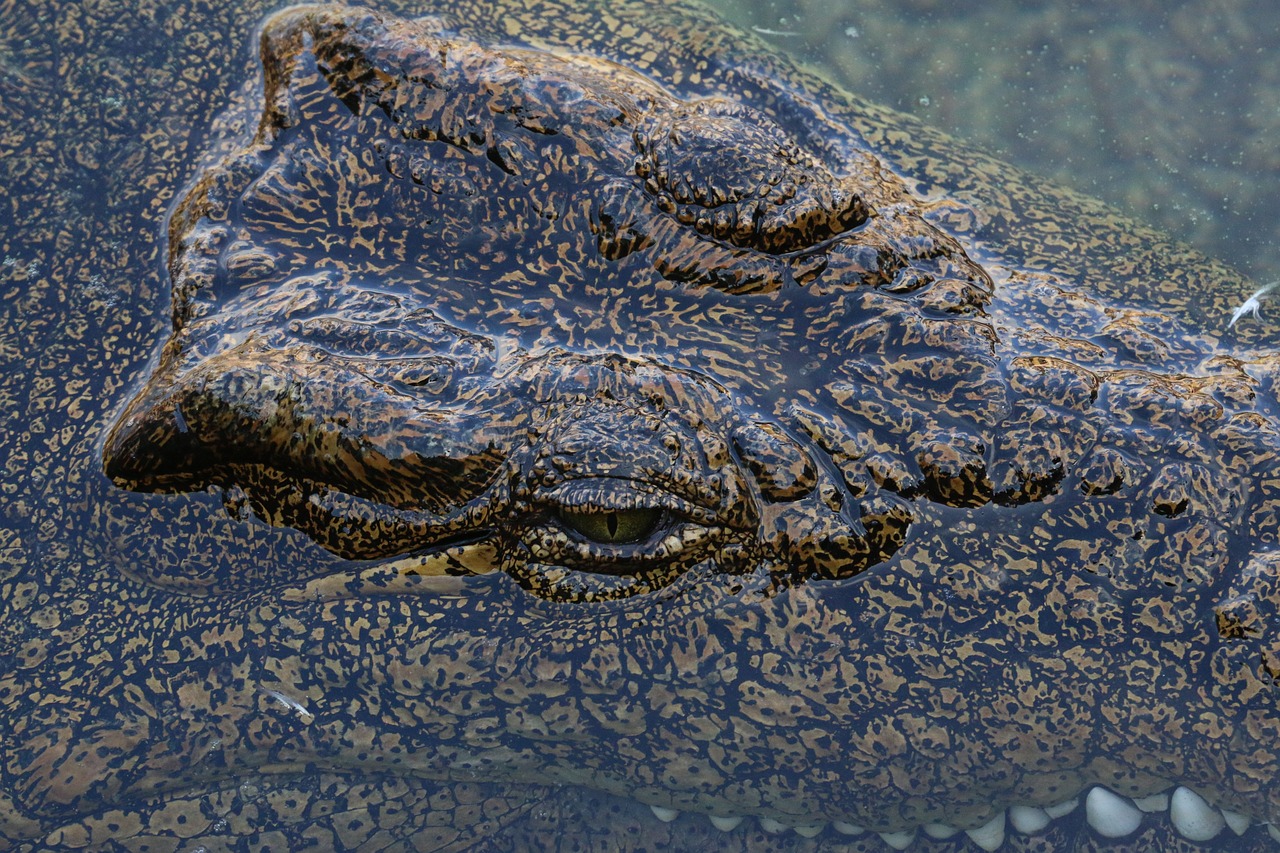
(613, 526)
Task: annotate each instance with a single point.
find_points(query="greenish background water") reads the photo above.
(1169, 111)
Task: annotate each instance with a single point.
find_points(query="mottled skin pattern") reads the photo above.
(565, 412)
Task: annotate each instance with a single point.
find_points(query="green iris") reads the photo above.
(613, 525)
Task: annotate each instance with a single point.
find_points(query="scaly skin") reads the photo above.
(653, 423)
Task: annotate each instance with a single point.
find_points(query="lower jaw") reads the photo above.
(395, 813)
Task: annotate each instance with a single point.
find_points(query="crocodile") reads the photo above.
(577, 426)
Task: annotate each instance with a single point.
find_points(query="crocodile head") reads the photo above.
(538, 303)
(661, 441)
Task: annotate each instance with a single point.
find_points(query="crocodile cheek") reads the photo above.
(1247, 618)
(812, 523)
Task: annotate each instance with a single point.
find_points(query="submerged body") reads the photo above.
(564, 411)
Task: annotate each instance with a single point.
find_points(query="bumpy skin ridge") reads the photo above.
(652, 422)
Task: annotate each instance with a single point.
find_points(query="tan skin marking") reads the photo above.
(936, 532)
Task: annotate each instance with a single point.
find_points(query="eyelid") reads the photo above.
(603, 494)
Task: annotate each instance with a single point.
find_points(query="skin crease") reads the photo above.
(952, 492)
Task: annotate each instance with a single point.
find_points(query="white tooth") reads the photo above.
(898, 840)
(1273, 832)
(939, 830)
(725, 824)
(1153, 803)
(1111, 815)
(990, 835)
(1028, 819)
(809, 830)
(1239, 823)
(847, 828)
(1065, 807)
(768, 824)
(664, 814)
(1193, 817)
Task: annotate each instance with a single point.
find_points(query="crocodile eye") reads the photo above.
(613, 525)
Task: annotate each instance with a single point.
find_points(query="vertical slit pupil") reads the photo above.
(620, 526)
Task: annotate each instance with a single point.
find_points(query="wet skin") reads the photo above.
(592, 417)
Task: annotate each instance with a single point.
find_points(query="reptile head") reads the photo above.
(451, 292)
(663, 446)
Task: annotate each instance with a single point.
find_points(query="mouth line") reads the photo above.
(1109, 815)
(1096, 812)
